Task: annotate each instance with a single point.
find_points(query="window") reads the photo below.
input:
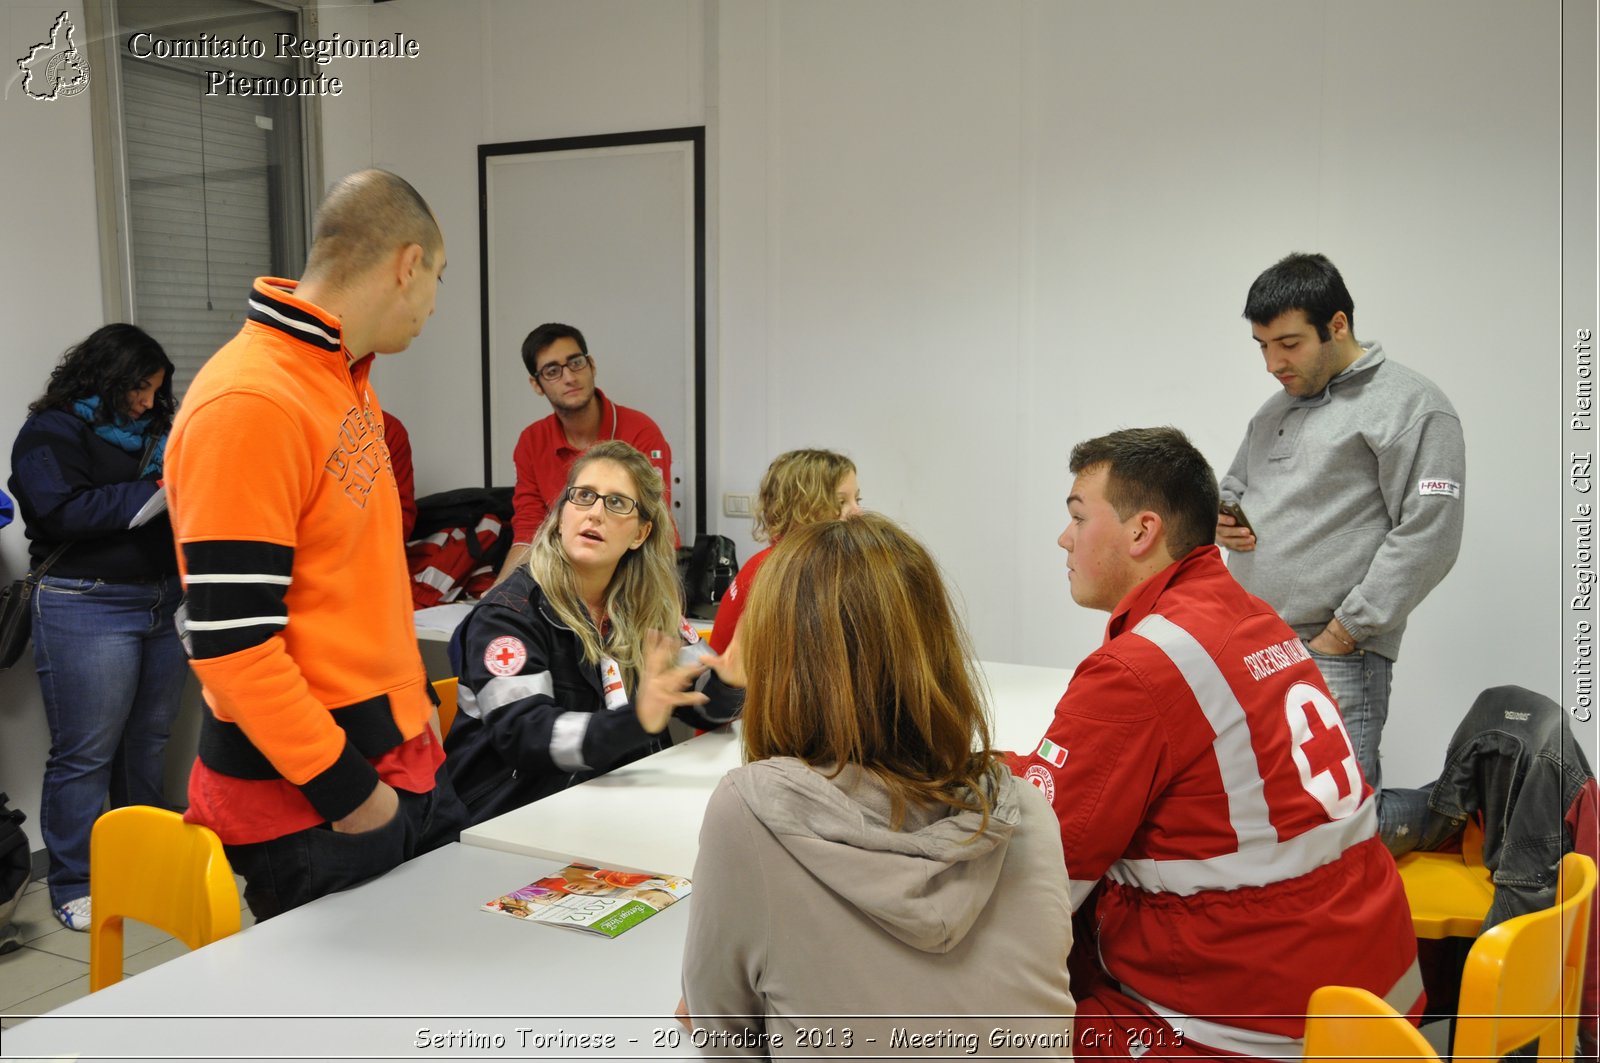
(201, 193)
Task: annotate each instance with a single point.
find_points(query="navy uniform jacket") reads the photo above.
(533, 718)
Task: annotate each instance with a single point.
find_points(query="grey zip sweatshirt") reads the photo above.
(1357, 497)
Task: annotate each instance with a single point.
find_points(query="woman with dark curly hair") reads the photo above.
(111, 667)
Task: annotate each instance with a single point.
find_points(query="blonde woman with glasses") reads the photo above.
(590, 623)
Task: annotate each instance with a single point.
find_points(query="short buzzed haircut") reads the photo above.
(1309, 283)
(364, 217)
(1160, 470)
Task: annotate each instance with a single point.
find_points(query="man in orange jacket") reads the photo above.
(318, 765)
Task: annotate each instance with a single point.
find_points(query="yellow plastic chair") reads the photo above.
(1523, 978)
(148, 864)
(1449, 893)
(446, 691)
(1344, 1023)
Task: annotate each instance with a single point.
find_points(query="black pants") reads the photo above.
(286, 872)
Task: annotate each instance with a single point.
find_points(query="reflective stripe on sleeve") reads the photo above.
(566, 740)
(502, 690)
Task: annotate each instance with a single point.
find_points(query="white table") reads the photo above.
(645, 816)
(361, 973)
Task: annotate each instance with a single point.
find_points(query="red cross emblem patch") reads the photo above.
(1321, 750)
(505, 656)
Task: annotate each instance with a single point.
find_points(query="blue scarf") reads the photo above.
(126, 432)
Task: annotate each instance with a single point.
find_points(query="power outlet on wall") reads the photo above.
(735, 505)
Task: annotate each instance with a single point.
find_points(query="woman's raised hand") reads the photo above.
(664, 685)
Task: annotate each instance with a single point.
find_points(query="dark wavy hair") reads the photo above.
(113, 361)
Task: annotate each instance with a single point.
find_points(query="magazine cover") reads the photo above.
(593, 899)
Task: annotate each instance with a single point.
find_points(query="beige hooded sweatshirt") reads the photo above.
(817, 930)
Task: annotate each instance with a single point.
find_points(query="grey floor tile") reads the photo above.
(49, 1001)
(33, 916)
(27, 972)
(136, 937)
(154, 956)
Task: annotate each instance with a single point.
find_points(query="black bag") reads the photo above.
(15, 866)
(16, 621)
(464, 507)
(707, 570)
(16, 611)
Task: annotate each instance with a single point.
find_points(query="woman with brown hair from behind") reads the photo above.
(873, 857)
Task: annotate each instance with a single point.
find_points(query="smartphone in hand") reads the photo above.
(1236, 511)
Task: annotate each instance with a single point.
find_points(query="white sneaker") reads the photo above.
(74, 915)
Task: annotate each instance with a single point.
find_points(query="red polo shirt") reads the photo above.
(544, 458)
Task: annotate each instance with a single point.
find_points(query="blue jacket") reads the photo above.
(74, 487)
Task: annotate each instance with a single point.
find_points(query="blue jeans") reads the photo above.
(111, 670)
(1359, 683)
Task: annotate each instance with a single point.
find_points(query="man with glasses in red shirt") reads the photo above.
(561, 369)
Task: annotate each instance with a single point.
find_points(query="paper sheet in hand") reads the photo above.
(151, 509)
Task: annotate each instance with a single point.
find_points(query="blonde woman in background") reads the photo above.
(800, 487)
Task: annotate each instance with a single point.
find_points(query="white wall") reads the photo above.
(953, 238)
(490, 73)
(49, 299)
(957, 238)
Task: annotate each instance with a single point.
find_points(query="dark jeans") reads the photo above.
(111, 672)
(287, 872)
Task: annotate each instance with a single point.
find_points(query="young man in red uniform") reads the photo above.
(561, 369)
(1218, 833)
(319, 766)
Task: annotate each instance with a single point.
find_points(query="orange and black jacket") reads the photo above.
(297, 615)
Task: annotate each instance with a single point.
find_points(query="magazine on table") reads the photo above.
(593, 899)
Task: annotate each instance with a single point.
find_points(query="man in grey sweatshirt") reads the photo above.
(1351, 481)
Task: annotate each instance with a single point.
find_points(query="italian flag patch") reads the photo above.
(1051, 752)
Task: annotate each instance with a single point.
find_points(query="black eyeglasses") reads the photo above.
(577, 363)
(583, 498)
